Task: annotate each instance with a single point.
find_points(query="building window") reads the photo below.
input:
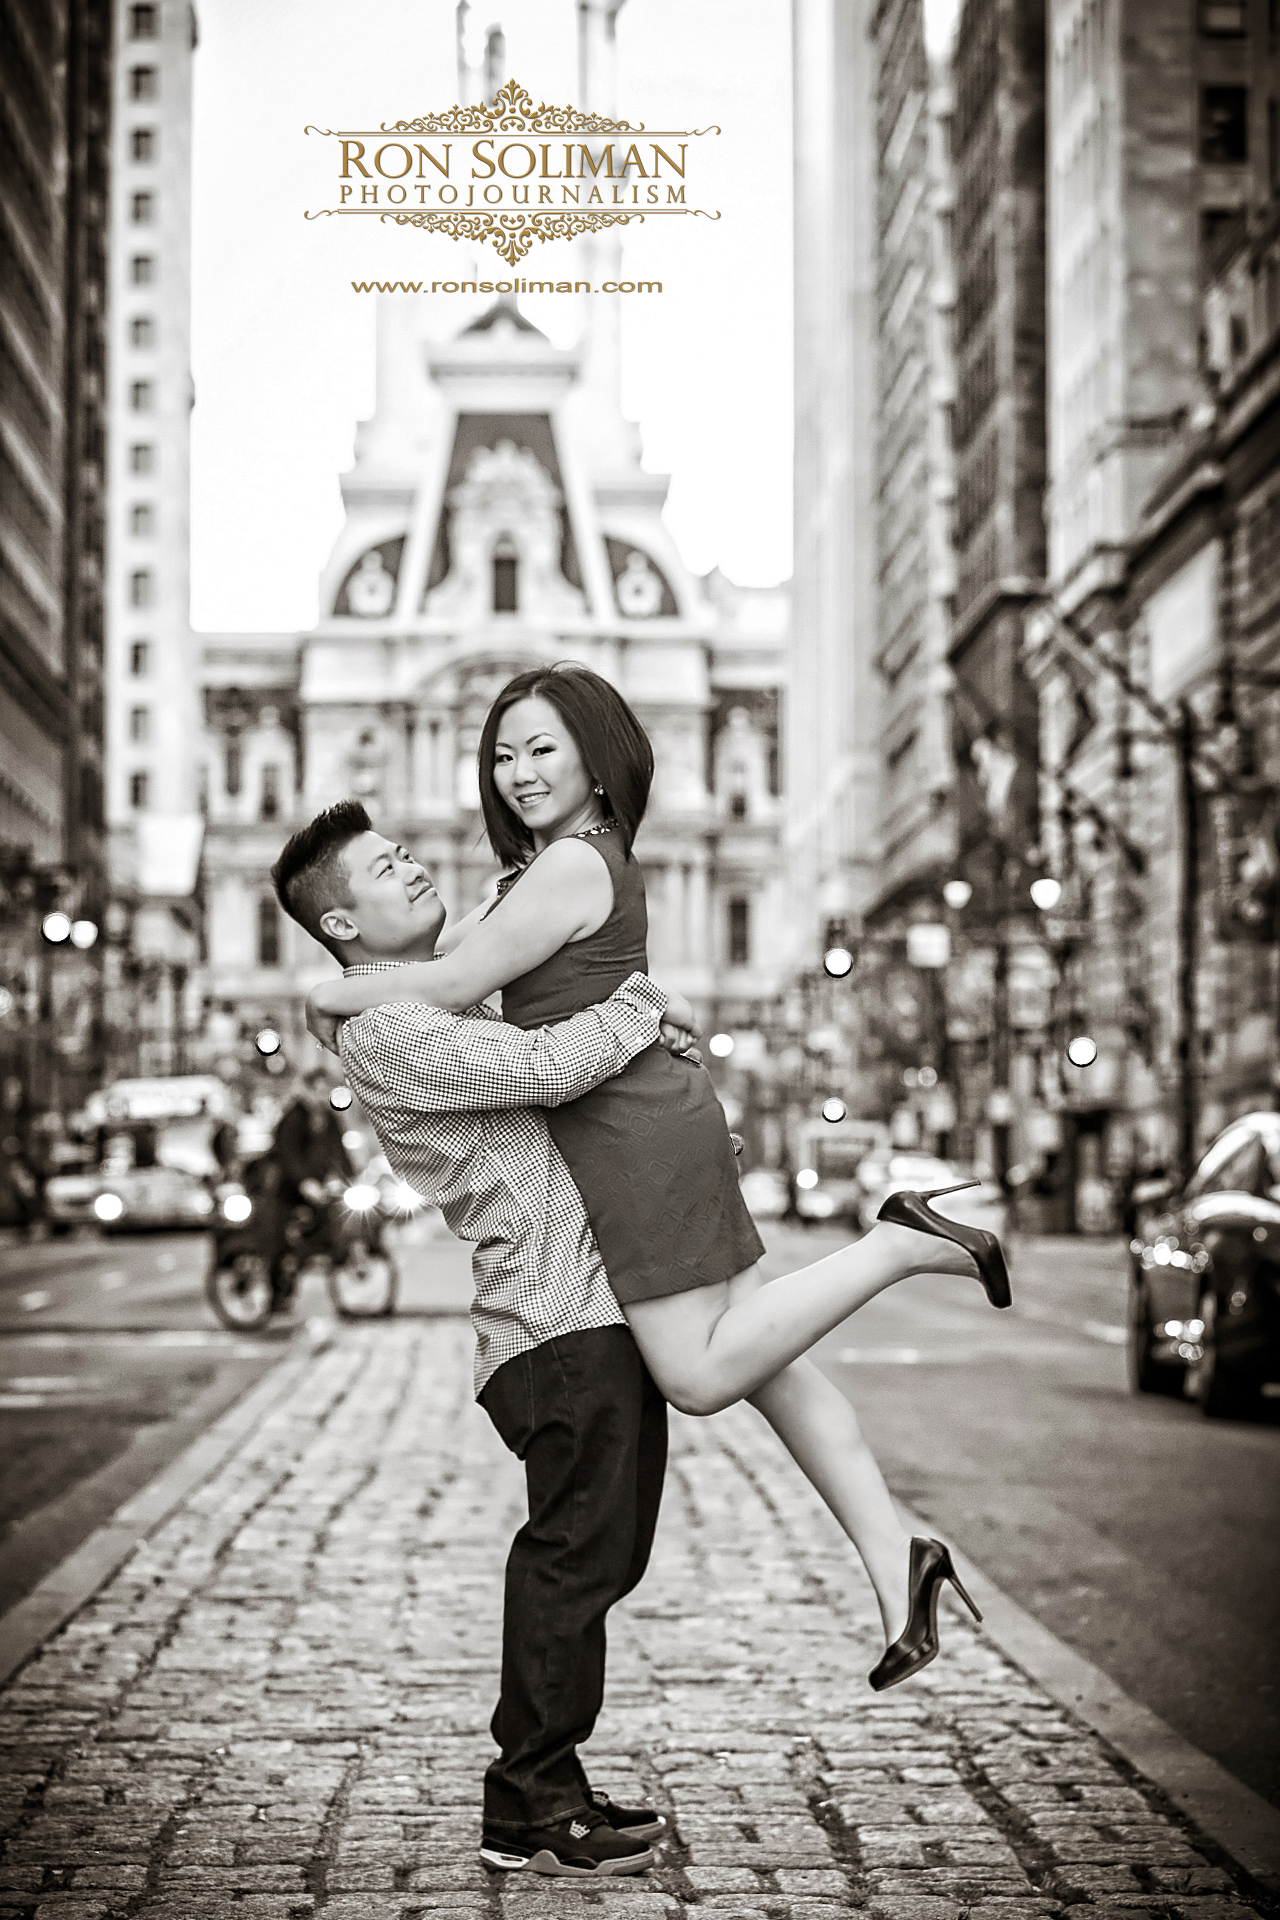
(140, 724)
(143, 143)
(142, 331)
(142, 23)
(269, 802)
(143, 269)
(144, 83)
(138, 787)
(202, 788)
(1224, 126)
(268, 932)
(1224, 17)
(233, 765)
(140, 658)
(142, 521)
(504, 577)
(141, 459)
(143, 209)
(1220, 228)
(141, 396)
(739, 933)
(738, 806)
(140, 588)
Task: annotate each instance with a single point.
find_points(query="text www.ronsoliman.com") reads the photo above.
(505, 286)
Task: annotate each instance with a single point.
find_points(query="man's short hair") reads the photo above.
(311, 875)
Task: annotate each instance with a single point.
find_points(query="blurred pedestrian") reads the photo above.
(21, 1173)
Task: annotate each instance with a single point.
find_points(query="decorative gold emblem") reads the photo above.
(512, 111)
(512, 234)
(499, 207)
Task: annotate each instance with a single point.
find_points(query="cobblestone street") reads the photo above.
(279, 1705)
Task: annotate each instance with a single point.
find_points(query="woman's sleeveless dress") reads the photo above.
(649, 1150)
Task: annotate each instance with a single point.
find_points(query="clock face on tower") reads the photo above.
(369, 588)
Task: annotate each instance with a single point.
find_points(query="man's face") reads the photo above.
(394, 907)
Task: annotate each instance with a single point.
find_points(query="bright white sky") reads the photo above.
(282, 349)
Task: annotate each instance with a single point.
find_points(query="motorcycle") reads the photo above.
(262, 1246)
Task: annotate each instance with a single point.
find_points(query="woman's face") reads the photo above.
(539, 774)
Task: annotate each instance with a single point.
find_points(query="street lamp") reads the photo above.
(1046, 893)
(957, 894)
(56, 927)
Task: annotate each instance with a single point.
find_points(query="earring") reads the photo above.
(599, 790)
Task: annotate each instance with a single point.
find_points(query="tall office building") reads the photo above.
(55, 102)
(998, 147)
(915, 481)
(153, 713)
(1163, 160)
(833, 699)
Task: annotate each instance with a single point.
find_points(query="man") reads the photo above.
(307, 1144)
(452, 1101)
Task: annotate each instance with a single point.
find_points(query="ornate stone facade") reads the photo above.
(493, 523)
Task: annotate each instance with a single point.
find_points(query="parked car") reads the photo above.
(828, 1155)
(129, 1200)
(766, 1193)
(881, 1174)
(1204, 1295)
(152, 1156)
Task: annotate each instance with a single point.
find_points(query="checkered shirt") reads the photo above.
(450, 1097)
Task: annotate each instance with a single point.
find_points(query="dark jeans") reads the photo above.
(585, 1417)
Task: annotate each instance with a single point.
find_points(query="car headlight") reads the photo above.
(108, 1206)
(360, 1197)
(236, 1208)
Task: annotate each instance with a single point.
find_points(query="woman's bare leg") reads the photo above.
(716, 1344)
(820, 1431)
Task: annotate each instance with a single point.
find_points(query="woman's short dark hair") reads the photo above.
(614, 746)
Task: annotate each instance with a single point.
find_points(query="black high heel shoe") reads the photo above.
(917, 1644)
(913, 1210)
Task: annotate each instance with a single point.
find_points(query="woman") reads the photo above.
(565, 771)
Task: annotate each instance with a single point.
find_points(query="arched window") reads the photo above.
(268, 931)
(505, 562)
(739, 933)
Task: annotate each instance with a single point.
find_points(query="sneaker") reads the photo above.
(639, 1823)
(583, 1848)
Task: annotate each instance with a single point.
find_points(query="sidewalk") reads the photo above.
(278, 1707)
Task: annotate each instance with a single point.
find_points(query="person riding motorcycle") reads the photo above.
(307, 1146)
